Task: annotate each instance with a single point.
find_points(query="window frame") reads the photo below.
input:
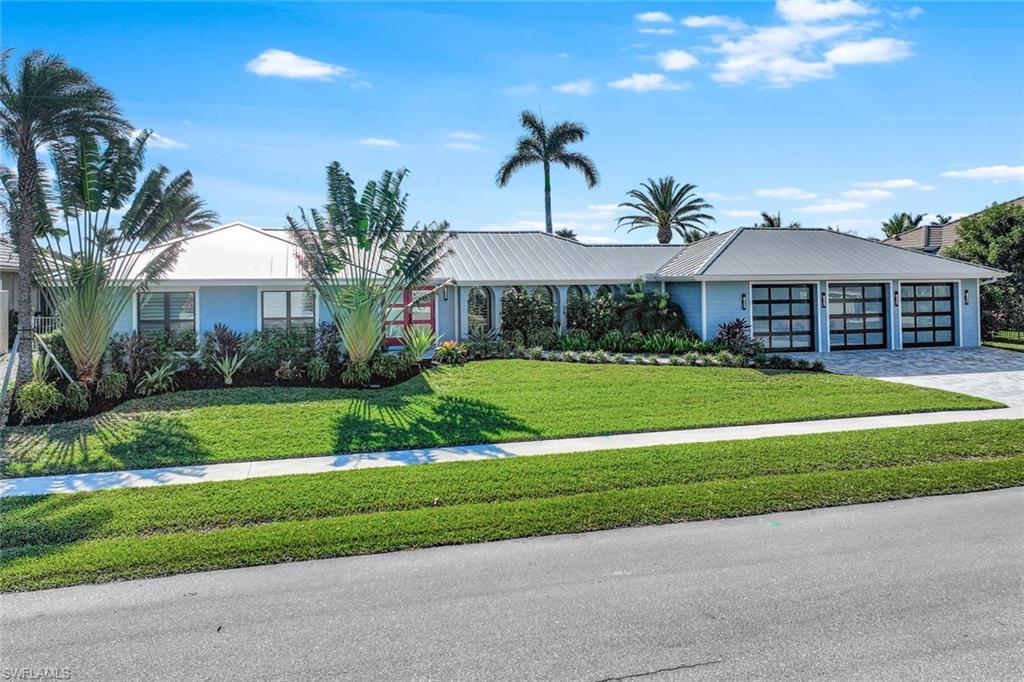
(489, 298)
(166, 293)
(261, 317)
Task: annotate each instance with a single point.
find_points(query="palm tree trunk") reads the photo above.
(28, 168)
(547, 198)
(664, 234)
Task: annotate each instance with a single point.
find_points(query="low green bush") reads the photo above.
(76, 396)
(268, 348)
(451, 353)
(356, 374)
(159, 380)
(287, 371)
(36, 398)
(317, 369)
(390, 366)
(112, 385)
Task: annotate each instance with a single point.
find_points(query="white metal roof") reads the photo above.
(765, 253)
(8, 258)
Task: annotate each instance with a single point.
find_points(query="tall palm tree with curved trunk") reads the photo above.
(670, 208)
(42, 101)
(545, 146)
(901, 223)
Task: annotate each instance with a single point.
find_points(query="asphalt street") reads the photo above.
(920, 589)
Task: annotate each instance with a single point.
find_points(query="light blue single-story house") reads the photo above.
(800, 289)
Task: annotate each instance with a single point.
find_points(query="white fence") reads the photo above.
(45, 325)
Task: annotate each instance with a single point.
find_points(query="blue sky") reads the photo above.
(834, 113)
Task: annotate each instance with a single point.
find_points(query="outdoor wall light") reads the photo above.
(896, 298)
(743, 301)
(824, 300)
(967, 296)
(444, 294)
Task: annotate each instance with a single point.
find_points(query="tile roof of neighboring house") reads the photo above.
(8, 259)
(933, 238)
(766, 253)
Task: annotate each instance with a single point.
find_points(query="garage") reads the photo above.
(927, 314)
(857, 317)
(783, 317)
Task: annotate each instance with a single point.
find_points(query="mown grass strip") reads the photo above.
(483, 402)
(39, 567)
(61, 519)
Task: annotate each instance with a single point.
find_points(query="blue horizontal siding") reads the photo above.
(687, 296)
(234, 306)
(970, 311)
(724, 304)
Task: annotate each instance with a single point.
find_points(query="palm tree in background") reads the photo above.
(43, 101)
(545, 146)
(901, 223)
(670, 208)
(940, 220)
(775, 221)
(566, 233)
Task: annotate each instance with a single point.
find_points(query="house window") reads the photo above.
(287, 309)
(547, 294)
(576, 291)
(170, 312)
(480, 310)
(604, 290)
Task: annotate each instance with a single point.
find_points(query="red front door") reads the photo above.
(406, 313)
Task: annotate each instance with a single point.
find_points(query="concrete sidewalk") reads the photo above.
(234, 471)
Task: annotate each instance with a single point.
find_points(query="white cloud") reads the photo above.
(714, 21)
(785, 193)
(777, 55)
(866, 194)
(379, 142)
(646, 82)
(895, 183)
(676, 60)
(583, 87)
(463, 135)
(653, 17)
(873, 51)
(1002, 173)
(287, 64)
(657, 31)
(360, 85)
(909, 13)
(742, 213)
(833, 206)
(595, 239)
(158, 141)
(463, 146)
(807, 11)
(562, 55)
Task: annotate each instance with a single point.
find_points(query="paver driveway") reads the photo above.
(985, 372)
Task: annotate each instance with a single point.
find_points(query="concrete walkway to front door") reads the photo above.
(984, 372)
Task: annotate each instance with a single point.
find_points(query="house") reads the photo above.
(802, 289)
(932, 238)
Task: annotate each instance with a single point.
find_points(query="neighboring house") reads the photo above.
(803, 289)
(931, 239)
(9, 281)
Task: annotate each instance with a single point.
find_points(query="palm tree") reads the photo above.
(92, 262)
(901, 223)
(357, 254)
(45, 100)
(669, 207)
(566, 233)
(775, 221)
(940, 220)
(546, 146)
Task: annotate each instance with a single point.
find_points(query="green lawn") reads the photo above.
(60, 540)
(1017, 346)
(493, 401)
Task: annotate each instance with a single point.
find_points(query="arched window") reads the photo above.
(480, 309)
(547, 294)
(575, 291)
(604, 290)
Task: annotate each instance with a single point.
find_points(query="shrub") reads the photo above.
(418, 341)
(36, 398)
(326, 343)
(55, 342)
(534, 353)
(613, 341)
(158, 380)
(134, 355)
(513, 338)
(42, 367)
(317, 369)
(76, 396)
(451, 353)
(619, 359)
(390, 366)
(356, 373)
(545, 337)
(112, 385)
(593, 315)
(485, 344)
(735, 336)
(286, 371)
(228, 366)
(267, 349)
(525, 312)
(635, 343)
(658, 343)
(219, 344)
(649, 311)
(575, 339)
